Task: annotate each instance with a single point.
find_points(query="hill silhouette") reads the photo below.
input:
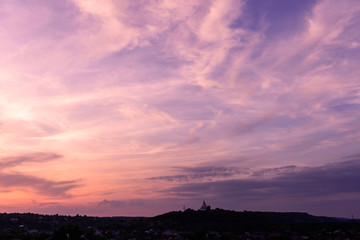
(219, 218)
(188, 224)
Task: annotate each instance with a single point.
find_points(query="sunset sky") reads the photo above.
(140, 107)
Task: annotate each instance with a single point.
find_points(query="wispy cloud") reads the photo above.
(11, 161)
(11, 180)
(112, 203)
(199, 173)
(41, 186)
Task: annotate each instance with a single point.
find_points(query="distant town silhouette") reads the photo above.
(204, 223)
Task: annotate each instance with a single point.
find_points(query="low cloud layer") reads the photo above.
(41, 186)
(199, 173)
(11, 180)
(8, 162)
(337, 181)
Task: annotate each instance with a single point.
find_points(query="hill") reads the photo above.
(227, 219)
(189, 224)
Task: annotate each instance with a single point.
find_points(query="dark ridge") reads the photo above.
(228, 216)
(220, 219)
(189, 224)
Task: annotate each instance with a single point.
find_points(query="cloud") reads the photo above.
(18, 181)
(353, 156)
(41, 204)
(199, 173)
(41, 186)
(112, 203)
(123, 204)
(39, 157)
(309, 182)
(276, 171)
(241, 129)
(346, 107)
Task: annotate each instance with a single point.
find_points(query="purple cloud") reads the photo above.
(40, 185)
(331, 183)
(112, 203)
(7, 162)
(199, 173)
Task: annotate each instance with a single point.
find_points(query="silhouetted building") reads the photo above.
(204, 207)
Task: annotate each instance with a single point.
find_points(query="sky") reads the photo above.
(137, 108)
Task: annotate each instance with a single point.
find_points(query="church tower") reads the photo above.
(204, 207)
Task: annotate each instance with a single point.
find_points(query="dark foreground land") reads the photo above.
(190, 224)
